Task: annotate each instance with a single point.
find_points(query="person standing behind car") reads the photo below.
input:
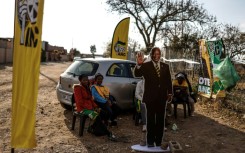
(157, 91)
(101, 95)
(139, 91)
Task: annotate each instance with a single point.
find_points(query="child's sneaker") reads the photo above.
(112, 137)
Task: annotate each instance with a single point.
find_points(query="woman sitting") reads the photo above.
(101, 95)
(86, 106)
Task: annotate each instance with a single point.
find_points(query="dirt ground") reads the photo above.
(211, 130)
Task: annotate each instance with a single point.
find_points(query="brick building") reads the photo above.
(6, 50)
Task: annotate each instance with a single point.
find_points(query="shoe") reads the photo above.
(164, 145)
(144, 128)
(142, 142)
(112, 137)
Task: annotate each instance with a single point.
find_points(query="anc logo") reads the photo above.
(120, 48)
(27, 13)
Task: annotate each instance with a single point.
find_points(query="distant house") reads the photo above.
(48, 52)
(6, 50)
(54, 53)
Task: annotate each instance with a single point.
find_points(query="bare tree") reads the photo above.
(150, 16)
(181, 40)
(76, 52)
(107, 52)
(211, 31)
(233, 40)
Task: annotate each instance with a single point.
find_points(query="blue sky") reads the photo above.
(82, 23)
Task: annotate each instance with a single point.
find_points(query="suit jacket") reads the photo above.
(154, 84)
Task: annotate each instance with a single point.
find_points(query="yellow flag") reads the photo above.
(26, 65)
(119, 46)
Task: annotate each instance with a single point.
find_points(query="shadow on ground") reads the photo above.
(195, 134)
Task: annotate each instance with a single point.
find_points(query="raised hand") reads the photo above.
(140, 58)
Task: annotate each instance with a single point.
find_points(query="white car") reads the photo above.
(118, 76)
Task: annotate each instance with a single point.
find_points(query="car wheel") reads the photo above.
(68, 107)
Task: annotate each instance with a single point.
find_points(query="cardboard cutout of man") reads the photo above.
(158, 90)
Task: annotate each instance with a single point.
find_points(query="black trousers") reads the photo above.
(155, 121)
(111, 111)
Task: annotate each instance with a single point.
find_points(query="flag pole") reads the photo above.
(15, 6)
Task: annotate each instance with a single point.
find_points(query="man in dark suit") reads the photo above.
(157, 91)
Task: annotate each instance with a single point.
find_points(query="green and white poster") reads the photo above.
(216, 51)
(209, 85)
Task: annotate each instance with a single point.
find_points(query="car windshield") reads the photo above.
(79, 67)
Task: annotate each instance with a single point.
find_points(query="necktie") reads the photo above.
(157, 70)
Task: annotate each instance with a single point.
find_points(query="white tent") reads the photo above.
(181, 60)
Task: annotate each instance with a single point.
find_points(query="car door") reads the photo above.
(118, 80)
(133, 80)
